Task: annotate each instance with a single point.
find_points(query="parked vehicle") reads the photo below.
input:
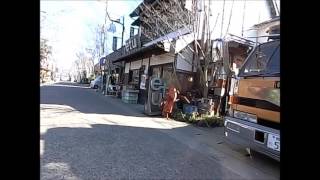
(253, 120)
(96, 83)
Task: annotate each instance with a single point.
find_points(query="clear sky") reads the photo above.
(70, 25)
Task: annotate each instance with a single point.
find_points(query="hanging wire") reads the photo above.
(244, 9)
(215, 24)
(229, 19)
(224, 2)
(275, 2)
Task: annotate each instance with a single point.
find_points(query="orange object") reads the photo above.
(219, 82)
(169, 102)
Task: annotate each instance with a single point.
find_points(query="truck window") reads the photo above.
(264, 60)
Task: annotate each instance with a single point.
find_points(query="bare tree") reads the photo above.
(162, 17)
(45, 51)
(76, 71)
(92, 55)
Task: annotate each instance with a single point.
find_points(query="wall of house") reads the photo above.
(184, 70)
(162, 59)
(152, 61)
(260, 31)
(263, 31)
(182, 41)
(135, 64)
(185, 61)
(127, 67)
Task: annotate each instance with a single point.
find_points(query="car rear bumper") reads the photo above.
(246, 134)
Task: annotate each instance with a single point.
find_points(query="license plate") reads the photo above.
(273, 142)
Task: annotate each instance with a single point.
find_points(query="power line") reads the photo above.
(215, 24)
(229, 18)
(275, 2)
(224, 1)
(244, 9)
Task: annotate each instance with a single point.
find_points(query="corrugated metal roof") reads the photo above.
(137, 22)
(267, 22)
(137, 53)
(171, 36)
(117, 56)
(137, 10)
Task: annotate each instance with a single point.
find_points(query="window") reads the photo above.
(265, 59)
(135, 76)
(156, 71)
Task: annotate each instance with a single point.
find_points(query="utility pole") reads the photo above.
(112, 28)
(122, 31)
(103, 44)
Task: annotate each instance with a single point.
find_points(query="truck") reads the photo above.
(253, 114)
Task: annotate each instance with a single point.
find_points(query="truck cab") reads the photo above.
(253, 118)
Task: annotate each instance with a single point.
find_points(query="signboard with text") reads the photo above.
(132, 43)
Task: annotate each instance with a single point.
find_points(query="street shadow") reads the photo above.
(122, 152)
(86, 100)
(113, 151)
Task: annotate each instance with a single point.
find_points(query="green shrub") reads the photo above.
(178, 115)
(213, 121)
(203, 120)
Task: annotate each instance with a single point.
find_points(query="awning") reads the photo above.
(140, 53)
(171, 36)
(182, 35)
(137, 22)
(137, 10)
(267, 22)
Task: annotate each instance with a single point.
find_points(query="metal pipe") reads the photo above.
(272, 35)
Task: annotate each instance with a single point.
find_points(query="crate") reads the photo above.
(130, 96)
(189, 109)
(130, 101)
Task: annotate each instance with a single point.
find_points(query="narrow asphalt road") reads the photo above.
(85, 135)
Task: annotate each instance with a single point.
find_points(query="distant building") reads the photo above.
(257, 31)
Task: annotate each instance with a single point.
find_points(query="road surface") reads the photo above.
(85, 135)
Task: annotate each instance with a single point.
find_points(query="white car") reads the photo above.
(96, 83)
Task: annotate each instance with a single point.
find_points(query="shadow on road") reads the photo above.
(86, 100)
(122, 152)
(106, 151)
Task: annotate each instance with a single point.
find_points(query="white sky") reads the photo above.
(70, 25)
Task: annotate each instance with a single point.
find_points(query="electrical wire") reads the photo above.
(278, 11)
(165, 33)
(183, 23)
(224, 1)
(229, 18)
(244, 8)
(149, 9)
